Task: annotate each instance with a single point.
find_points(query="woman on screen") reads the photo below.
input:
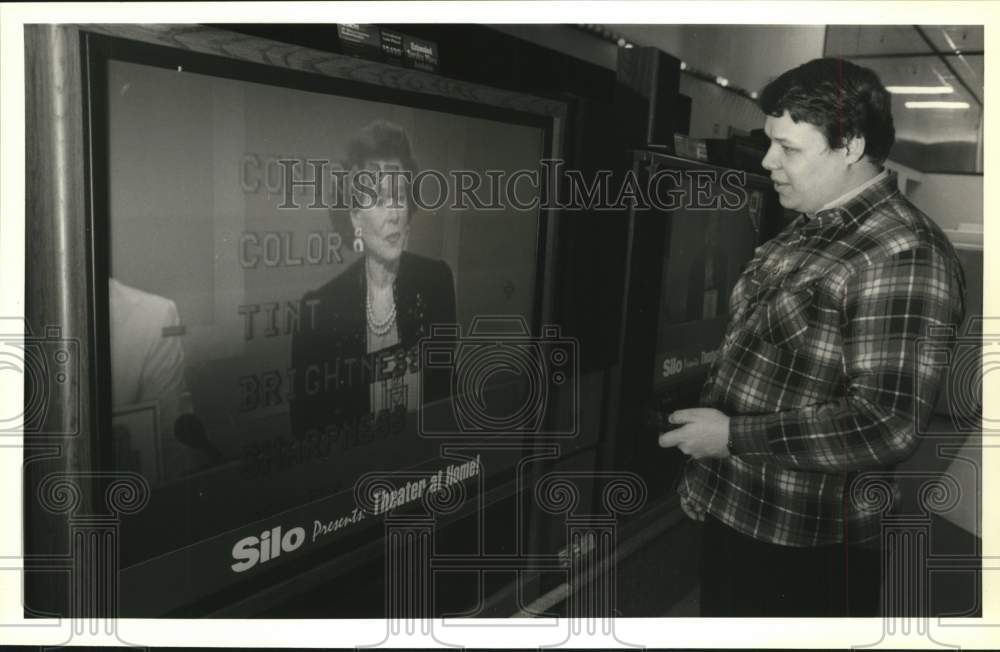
(358, 359)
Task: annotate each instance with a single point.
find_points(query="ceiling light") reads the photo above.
(753, 95)
(920, 90)
(722, 81)
(621, 42)
(937, 105)
(684, 65)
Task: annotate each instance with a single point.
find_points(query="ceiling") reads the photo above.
(903, 39)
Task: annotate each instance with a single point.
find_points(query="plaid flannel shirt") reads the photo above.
(820, 369)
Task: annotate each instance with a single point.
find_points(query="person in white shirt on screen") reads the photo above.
(147, 369)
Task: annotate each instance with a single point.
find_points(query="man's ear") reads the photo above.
(855, 149)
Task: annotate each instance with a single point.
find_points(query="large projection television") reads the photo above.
(241, 364)
(683, 265)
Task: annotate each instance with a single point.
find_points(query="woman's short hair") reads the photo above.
(378, 140)
(842, 99)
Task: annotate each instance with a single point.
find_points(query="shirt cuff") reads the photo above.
(748, 435)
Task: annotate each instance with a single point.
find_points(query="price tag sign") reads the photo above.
(392, 46)
(360, 40)
(420, 54)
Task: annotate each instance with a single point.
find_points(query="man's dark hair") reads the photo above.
(842, 99)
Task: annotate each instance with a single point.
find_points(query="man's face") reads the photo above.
(806, 173)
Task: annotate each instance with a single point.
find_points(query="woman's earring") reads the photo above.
(359, 244)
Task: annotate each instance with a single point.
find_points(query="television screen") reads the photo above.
(686, 256)
(705, 250)
(286, 315)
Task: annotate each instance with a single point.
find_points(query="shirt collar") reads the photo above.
(851, 194)
(853, 205)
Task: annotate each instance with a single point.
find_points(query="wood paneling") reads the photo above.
(56, 293)
(206, 40)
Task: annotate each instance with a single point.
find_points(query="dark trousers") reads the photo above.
(744, 577)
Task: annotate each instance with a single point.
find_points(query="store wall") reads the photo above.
(950, 199)
(722, 50)
(749, 56)
(714, 110)
(717, 49)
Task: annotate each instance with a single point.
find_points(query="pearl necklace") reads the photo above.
(380, 328)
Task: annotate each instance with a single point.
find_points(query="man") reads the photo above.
(819, 376)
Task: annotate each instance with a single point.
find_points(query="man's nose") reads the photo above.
(770, 161)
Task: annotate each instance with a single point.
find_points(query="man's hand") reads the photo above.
(692, 512)
(705, 433)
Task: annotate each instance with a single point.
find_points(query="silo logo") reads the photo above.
(269, 545)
